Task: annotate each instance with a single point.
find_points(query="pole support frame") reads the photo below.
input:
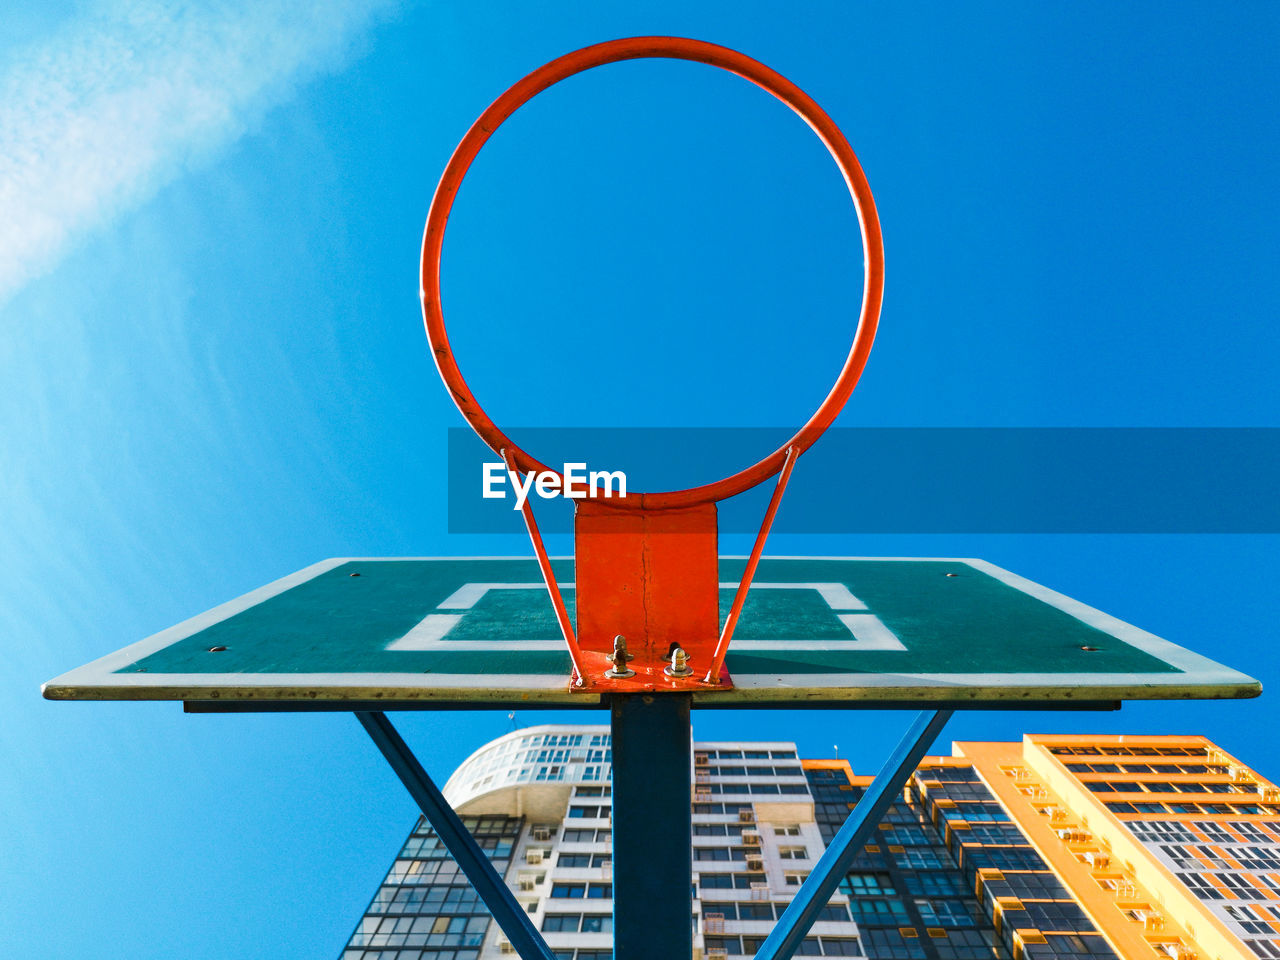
(652, 743)
(816, 891)
(491, 888)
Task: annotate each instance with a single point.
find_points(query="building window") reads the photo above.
(1064, 916)
(869, 885)
(922, 858)
(1248, 922)
(890, 943)
(1162, 831)
(879, 912)
(1068, 945)
(944, 913)
(980, 811)
(935, 884)
(576, 891)
(1250, 831)
(1200, 886)
(711, 853)
(1241, 887)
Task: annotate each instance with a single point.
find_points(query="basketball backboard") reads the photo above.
(481, 631)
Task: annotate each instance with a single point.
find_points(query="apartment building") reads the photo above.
(1088, 848)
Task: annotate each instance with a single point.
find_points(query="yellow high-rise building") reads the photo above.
(1138, 847)
(1170, 845)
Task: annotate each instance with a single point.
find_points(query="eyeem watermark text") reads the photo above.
(578, 483)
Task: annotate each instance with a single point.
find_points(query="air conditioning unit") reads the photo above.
(702, 778)
(760, 891)
(527, 884)
(750, 839)
(701, 795)
(1153, 922)
(713, 923)
(755, 865)
(716, 953)
(533, 856)
(701, 760)
(746, 816)
(542, 834)
(1096, 859)
(504, 946)
(1270, 794)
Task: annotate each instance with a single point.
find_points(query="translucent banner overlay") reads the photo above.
(916, 480)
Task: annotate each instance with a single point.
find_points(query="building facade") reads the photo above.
(1096, 848)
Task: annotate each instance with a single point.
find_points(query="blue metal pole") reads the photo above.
(461, 845)
(652, 827)
(816, 891)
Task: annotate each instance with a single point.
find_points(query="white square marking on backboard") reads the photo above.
(428, 633)
(867, 632)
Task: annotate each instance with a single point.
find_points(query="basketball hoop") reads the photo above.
(646, 562)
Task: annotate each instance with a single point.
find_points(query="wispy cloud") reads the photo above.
(100, 115)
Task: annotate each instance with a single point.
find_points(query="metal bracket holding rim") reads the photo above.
(579, 678)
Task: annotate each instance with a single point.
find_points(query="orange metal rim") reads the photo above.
(677, 48)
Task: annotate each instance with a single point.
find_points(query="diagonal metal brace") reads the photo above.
(496, 895)
(816, 891)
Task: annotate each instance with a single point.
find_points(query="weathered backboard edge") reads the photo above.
(1202, 679)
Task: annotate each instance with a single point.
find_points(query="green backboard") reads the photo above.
(481, 631)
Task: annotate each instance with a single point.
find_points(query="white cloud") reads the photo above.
(100, 115)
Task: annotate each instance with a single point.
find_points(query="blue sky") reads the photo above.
(213, 370)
